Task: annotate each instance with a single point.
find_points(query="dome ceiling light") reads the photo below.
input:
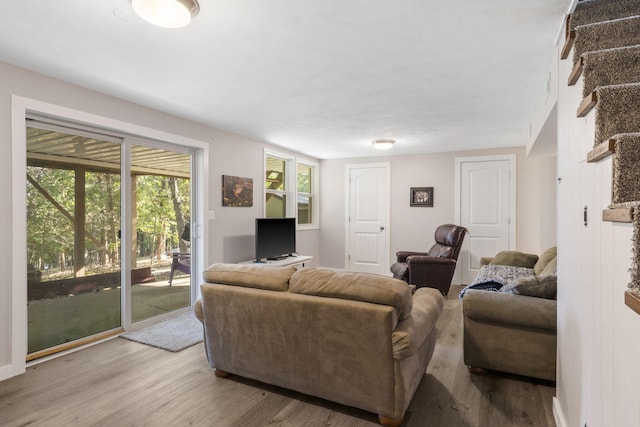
(166, 13)
(383, 144)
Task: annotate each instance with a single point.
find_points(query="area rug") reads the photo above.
(173, 334)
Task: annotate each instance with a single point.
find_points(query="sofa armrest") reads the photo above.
(197, 310)
(401, 256)
(517, 310)
(412, 332)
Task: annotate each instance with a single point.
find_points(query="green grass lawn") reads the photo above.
(59, 320)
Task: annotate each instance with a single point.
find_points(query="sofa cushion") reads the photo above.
(252, 276)
(546, 257)
(514, 258)
(551, 269)
(354, 286)
(533, 286)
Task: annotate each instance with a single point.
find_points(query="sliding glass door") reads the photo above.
(161, 231)
(77, 247)
(73, 220)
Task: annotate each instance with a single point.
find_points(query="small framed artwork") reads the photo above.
(421, 196)
(237, 191)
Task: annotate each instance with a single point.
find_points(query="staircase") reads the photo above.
(604, 36)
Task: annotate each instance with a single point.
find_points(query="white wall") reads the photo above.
(230, 235)
(412, 228)
(598, 376)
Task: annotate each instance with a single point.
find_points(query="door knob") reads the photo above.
(381, 228)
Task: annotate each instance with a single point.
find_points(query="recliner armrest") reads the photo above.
(403, 255)
(510, 309)
(425, 259)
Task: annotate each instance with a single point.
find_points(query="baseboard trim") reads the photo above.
(558, 415)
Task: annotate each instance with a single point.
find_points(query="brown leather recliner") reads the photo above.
(435, 268)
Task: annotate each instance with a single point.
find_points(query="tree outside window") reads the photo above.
(285, 197)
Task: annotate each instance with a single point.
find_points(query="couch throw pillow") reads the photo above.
(533, 286)
(514, 258)
(545, 258)
(551, 269)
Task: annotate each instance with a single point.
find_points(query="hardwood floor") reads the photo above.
(124, 383)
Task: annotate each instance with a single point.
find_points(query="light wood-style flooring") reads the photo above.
(124, 383)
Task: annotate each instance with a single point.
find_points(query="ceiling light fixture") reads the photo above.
(383, 144)
(166, 13)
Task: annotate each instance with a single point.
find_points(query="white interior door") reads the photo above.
(486, 207)
(368, 216)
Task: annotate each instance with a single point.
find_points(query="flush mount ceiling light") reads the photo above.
(166, 13)
(383, 144)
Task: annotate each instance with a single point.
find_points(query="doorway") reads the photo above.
(89, 275)
(486, 206)
(367, 243)
(160, 231)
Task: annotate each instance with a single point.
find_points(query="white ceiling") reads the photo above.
(321, 77)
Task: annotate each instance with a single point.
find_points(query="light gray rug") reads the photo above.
(173, 334)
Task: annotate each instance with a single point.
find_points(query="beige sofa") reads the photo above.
(514, 332)
(358, 339)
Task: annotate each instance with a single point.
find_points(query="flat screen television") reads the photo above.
(275, 238)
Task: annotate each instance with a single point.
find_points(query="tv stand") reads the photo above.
(284, 262)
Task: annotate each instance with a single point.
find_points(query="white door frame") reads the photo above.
(387, 197)
(512, 189)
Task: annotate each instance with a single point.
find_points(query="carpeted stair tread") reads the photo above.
(617, 111)
(626, 169)
(606, 35)
(626, 205)
(610, 67)
(592, 11)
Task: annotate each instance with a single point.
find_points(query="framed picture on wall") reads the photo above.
(237, 191)
(421, 196)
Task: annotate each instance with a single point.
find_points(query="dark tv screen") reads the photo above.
(275, 237)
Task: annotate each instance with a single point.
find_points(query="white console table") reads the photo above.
(292, 260)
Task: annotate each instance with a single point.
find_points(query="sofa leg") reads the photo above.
(477, 371)
(221, 374)
(390, 422)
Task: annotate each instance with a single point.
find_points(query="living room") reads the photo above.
(229, 235)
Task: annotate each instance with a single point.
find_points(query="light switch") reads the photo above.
(212, 215)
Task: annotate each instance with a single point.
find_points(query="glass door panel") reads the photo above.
(161, 248)
(73, 228)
